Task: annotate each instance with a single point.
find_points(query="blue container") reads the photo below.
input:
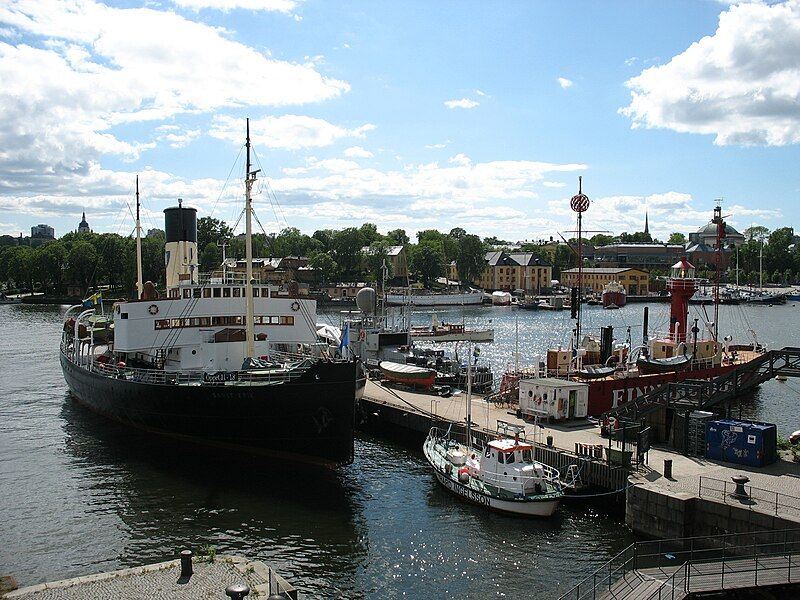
(742, 442)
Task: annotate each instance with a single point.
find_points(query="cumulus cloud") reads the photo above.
(283, 6)
(86, 68)
(287, 131)
(357, 152)
(462, 103)
(740, 84)
(564, 83)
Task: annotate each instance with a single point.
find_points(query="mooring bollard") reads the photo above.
(668, 468)
(186, 563)
(237, 591)
(549, 441)
(740, 492)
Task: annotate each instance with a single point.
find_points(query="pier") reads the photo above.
(184, 578)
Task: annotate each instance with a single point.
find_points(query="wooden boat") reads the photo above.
(408, 374)
(595, 372)
(648, 366)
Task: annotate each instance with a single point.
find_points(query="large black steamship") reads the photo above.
(222, 360)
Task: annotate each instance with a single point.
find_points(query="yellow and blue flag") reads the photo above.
(95, 299)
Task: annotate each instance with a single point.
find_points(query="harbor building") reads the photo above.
(510, 271)
(701, 247)
(396, 259)
(642, 256)
(277, 271)
(635, 281)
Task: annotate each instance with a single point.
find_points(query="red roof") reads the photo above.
(683, 264)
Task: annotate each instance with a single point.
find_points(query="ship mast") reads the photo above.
(139, 284)
(249, 179)
(579, 203)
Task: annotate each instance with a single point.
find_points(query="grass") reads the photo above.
(208, 552)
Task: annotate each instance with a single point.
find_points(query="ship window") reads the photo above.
(237, 292)
(258, 320)
(174, 323)
(226, 292)
(509, 458)
(217, 292)
(187, 293)
(206, 292)
(123, 316)
(161, 324)
(217, 321)
(287, 320)
(196, 292)
(194, 322)
(238, 320)
(176, 293)
(255, 292)
(501, 458)
(205, 321)
(527, 456)
(265, 292)
(530, 393)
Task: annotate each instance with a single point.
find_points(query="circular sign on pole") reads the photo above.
(579, 203)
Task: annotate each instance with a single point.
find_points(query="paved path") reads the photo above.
(155, 582)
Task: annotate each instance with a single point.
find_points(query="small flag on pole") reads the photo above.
(345, 337)
(93, 300)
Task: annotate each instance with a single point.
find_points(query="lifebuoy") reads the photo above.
(295, 306)
(153, 309)
(362, 335)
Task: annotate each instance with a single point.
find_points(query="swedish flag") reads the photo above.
(95, 299)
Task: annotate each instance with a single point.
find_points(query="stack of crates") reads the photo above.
(749, 443)
(696, 443)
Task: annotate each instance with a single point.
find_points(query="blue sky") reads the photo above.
(407, 114)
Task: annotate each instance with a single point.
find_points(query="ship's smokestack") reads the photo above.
(180, 249)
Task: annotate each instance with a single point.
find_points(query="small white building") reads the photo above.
(557, 399)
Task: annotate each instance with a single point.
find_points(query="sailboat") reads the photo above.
(502, 476)
(220, 361)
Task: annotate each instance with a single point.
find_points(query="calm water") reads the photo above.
(81, 495)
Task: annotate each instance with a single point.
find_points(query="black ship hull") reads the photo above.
(309, 419)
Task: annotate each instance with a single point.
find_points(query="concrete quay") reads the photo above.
(655, 505)
(210, 579)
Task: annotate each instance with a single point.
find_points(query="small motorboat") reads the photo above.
(650, 366)
(611, 306)
(503, 476)
(595, 372)
(408, 374)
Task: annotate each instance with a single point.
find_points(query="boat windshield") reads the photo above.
(509, 458)
(527, 457)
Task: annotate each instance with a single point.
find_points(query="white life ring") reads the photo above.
(153, 309)
(295, 306)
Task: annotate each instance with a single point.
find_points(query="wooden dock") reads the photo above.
(413, 413)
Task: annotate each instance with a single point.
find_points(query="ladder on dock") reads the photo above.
(677, 568)
(694, 394)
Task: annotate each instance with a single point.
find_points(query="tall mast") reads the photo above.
(469, 398)
(249, 178)
(139, 284)
(579, 203)
(761, 266)
(718, 260)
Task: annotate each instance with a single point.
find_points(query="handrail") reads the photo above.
(709, 550)
(727, 491)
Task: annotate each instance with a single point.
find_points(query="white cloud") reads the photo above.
(463, 103)
(284, 6)
(176, 137)
(740, 84)
(436, 146)
(357, 152)
(480, 93)
(286, 131)
(98, 67)
(553, 184)
(564, 83)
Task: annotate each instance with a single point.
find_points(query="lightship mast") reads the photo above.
(139, 284)
(249, 179)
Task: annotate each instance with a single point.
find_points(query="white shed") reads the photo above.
(554, 398)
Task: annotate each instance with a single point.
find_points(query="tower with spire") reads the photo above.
(83, 226)
(646, 225)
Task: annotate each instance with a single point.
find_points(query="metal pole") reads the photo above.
(248, 208)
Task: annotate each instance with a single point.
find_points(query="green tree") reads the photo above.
(82, 263)
(427, 260)
(212, 230)
(756, 232)
(153, 268)
(457, 233)
(347, 245)
(369, 234)
(210, 258)
(677, 238)
(776, 252)
(375, 257)
(398, 237)
(601, 239)
(325, 238)
(291, 242)
(471, 259)
(21, 266)
(326, 269)
(49, 264)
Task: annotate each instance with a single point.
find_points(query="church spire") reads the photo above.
(646, 226)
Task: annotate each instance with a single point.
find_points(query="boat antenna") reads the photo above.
(579, 204)
(139, 284)
(249, 179)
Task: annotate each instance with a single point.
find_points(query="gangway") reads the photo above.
(695, 394)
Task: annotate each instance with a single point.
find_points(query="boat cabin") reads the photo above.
(508, 464)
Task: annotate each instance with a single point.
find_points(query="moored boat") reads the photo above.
(408, 374)
(614, 294)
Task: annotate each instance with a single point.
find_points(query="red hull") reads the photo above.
(609, 393)
(616, 298)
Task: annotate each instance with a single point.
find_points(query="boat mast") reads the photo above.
(469, 398)
(249, 179)
(139, 284)
(718, 260)
(761, 267)
(579, 203)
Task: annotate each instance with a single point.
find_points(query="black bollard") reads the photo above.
(237, 591)
(549, 441)
(668, 468)
(186, 564)
(740, 492)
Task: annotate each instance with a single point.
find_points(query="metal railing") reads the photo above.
(705, 560)
(750, 497)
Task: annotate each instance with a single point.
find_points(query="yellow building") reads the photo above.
(510, 271)
(635, 281)
(396, 260)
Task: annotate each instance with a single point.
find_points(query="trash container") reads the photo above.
(668, 468)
